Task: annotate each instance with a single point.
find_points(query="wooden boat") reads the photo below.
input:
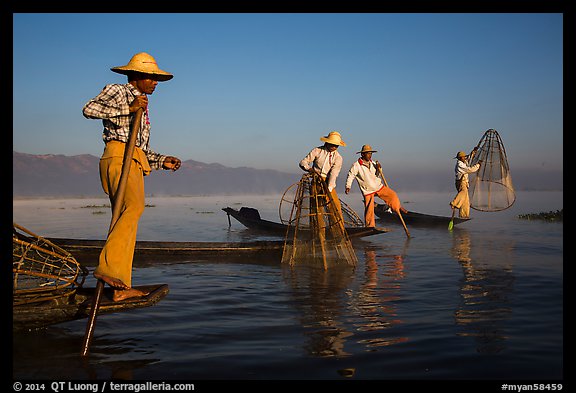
(70, 304)
(78, 305)
(415, 219)
(87, 251)
(250, 218)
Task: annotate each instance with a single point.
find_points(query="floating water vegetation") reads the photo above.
(556, 216)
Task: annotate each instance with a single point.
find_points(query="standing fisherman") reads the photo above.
(116, 105)
(462, 200)
(327, 162)
(367, 173)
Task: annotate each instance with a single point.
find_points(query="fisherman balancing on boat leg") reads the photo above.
(462, 200)
(327, 162)
(368, 174)
(115, 106)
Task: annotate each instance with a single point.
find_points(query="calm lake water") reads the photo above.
(483, 302)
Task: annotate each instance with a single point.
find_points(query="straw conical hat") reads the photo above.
(144, 63)
(333, 138)
(366, 149)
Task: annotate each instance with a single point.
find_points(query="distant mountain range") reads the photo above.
(77, 176)
(57, 175)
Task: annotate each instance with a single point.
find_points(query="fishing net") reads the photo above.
(41, 270)
(351, 218)
(491, 186)
(316, 235)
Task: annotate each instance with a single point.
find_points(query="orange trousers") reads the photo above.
(388, 195)
(118, 252)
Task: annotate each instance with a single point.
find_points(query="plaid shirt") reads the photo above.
(112, 106)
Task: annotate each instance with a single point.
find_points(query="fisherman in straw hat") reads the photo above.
(327, 162)
(462, 201)
(115, 106)
(368, 175)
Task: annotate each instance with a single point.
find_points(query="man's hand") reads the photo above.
(172, 163)
(139, 102)
(378, 168)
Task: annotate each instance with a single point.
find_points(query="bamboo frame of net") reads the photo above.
(316, 234)
(351, 218)
(41, 270)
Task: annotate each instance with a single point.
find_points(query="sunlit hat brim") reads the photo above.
(143, 63)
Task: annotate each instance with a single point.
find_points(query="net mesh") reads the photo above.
(351, 218)
(41, 270)
(316, 234)
(491, 186)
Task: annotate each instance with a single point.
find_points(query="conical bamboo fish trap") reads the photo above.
(351, 218)
(41, 270)
(491, 186)
(316, 234)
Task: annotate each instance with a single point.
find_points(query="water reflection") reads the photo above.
(485, 291)
(61, 345)
(340, 308)
(375, 302)
(319, 295)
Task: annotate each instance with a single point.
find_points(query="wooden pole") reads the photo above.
(117, 205)
(379, 168)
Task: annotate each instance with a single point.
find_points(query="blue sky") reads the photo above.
(259, 90)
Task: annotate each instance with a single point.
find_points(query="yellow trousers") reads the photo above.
(117, 255)
(462, 201)
(338, 206)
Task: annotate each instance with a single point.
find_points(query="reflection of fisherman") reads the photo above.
(462, 200)
(319, 299)
(484, 291)
(367, 173)
(327, 162)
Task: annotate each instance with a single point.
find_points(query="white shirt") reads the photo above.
(365, 173)
(327, 164)
(461, 170)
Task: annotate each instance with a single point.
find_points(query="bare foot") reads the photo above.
(113, 282)
(128, 294)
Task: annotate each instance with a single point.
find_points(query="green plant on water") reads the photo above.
(555, 216)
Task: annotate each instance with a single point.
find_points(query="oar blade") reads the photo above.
(451, 223)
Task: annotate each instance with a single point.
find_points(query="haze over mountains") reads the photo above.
(56, 175)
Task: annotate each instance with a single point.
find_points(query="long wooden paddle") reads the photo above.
(379, 169)
(117, 204)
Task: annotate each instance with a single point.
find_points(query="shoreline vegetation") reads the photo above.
(552, 216)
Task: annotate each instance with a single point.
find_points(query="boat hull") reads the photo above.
(78, 306)
(250, 218)
(415, 219)
(152, 252)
